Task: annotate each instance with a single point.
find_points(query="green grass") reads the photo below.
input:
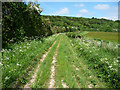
(43, 74)
(79, 63)
(67, 62)
(101, 60)
(63, 68)
(20, 61)
(108, 36)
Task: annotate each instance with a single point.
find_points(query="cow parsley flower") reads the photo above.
(18, 64)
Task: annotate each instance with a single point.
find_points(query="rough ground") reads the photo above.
(36, 70)
(63, 69)
(52, 80)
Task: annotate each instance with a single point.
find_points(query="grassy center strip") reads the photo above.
(43, 74)
(64, 78)
(52, 80)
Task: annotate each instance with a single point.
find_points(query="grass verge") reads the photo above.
(19, 62)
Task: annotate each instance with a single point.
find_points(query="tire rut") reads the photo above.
(36, 70)
(52, 80)
(64, 84)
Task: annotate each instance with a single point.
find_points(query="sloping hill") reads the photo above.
(87, 24)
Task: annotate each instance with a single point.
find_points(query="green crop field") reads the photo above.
(109, 36)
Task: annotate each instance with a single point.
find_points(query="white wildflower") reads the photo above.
(6, 77)
(110, 66)
(20, 50)
(18, 64)
(117, 60)
(1, 64)
(105, 58)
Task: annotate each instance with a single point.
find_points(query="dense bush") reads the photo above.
(20, 19)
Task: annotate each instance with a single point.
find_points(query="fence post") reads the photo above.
(96, 45)
(109, 45)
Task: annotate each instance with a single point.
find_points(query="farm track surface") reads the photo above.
(35, 72)
(67, 63)
(61, 68)
(71, 71)
(52, 80)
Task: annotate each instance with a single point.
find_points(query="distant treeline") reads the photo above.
(82, 24)
(20, 19)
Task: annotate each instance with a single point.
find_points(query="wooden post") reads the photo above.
(101, 43)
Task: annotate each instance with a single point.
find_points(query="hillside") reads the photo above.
(82, 24)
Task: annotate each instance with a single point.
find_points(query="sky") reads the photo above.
(81, 8)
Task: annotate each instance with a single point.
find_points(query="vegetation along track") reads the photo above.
(71, 71)
(62, 67)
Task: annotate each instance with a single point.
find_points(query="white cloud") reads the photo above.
(63, 11)
(79, 5)
(111, 18)
(102, 6)
(83, 11)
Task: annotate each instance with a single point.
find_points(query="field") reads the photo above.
(59, 61)
(109, 36)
